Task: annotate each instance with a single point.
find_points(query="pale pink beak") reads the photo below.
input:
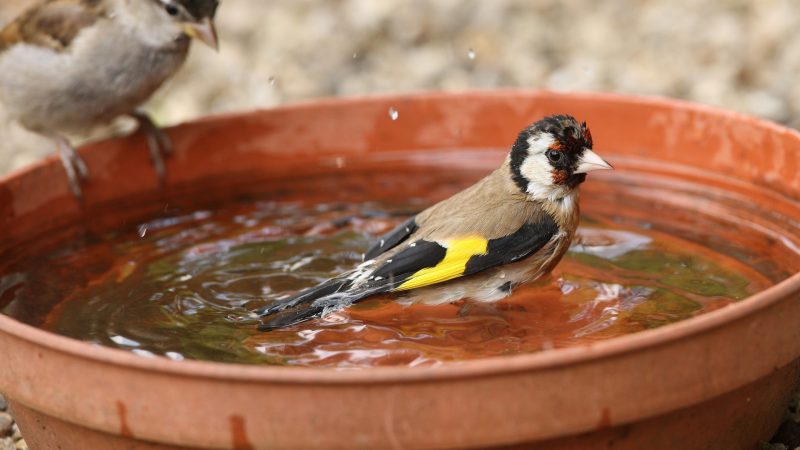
(591, 161)
(204, 31)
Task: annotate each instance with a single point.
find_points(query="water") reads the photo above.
(393, 113)
(180, 287)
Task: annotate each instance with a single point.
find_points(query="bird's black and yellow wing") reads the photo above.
(422, 263)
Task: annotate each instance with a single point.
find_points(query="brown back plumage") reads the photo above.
(493, 207)
(53, 24)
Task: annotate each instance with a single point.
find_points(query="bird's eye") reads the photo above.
(554, 156)
(171, 9)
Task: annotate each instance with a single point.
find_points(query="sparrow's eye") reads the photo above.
(554, 156)
(172, 10)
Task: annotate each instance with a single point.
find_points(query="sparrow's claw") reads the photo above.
(74, 166)
(158, 142)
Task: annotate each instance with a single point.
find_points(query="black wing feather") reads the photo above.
(417, 256)
(529, 239)
(391, 239)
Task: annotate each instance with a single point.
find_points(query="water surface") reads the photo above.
(178, 285)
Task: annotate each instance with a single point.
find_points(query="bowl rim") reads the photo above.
(483, 367)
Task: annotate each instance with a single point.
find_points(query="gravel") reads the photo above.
(6, 424)
(10, 436)
(736, 54)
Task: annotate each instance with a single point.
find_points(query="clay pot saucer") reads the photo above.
(720, 380)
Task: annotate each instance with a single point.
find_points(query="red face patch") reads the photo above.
(559, 176)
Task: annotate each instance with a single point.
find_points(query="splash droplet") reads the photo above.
(393, 114)
(471, 54)
(142, 230)
(355, 55)
(272, 81)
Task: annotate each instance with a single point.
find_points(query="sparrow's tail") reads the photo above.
(312, 303)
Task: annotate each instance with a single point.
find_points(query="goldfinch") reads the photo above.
(68, 66)
(511, 227)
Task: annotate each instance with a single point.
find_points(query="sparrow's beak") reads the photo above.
(591, 161)
(204, 31)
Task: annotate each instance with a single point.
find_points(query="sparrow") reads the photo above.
(511, 227)
(68, 66)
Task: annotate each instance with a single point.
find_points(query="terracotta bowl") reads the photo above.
(718, 381)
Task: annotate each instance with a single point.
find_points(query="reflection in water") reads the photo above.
(180, 288)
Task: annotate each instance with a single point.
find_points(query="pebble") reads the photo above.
(21, 445)
(6, 424)
(7, 444)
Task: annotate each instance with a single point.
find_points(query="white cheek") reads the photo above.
(536, 169)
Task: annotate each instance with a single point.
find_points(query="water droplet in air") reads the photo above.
(393, 113)
(471, 54)
(142, 230)
(355, 55)
(271, 81)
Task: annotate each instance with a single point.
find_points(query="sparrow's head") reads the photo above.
(193, 18)
(551, 157)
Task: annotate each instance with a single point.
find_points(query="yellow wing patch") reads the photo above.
(459, 251)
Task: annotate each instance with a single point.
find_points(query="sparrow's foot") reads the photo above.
(74, 166)
(158, 142)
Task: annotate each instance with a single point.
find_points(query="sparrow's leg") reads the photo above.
(73, 165)
(157, 141)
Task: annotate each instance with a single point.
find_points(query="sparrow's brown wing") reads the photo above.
(53, 25)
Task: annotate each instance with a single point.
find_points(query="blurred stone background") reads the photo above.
(737, 54)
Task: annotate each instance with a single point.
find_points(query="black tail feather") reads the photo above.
(315, 302)
(289, 317)
(305, 296)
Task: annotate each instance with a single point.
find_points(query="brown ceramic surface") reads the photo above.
(685, 385)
